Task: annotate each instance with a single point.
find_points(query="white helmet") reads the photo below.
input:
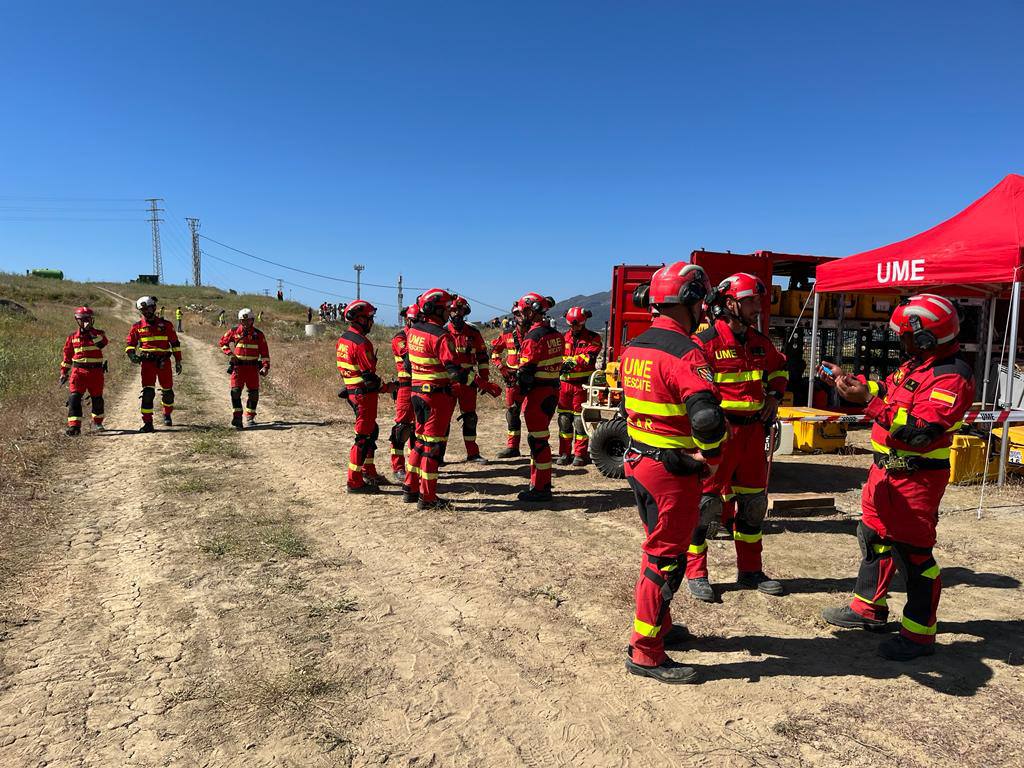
(146, 301)
(246, 314)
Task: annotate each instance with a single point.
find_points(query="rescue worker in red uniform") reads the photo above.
(151, 343)
(916, 411)
(246, 345)
(472, 354)
(82, 368)
(751, 376)
(505, 351)
(540, 361)
(676, 429)
(405, 422)
(357, 366)
(582, 346)
(435, 365)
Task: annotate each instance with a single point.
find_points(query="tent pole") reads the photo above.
(988, 350)
(812, 364)
(1004, 444)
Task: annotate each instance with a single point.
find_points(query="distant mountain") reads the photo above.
(600, 304)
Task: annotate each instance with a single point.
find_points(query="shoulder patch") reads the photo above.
(705, 373)
(943, 396)
(911, 385)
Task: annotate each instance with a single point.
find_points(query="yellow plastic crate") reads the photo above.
(792, 302)
(871, 307)
(1015, 456)
(967, 460)
(815, 436)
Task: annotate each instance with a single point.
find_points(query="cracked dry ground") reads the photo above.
(213, 599)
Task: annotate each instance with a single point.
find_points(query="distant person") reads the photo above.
(163, 311)
(152, 344)
(220, 318)
(280, 295)
(582, 346)
(178, 315)
(259, 317)
(250, 359)
(82, 369)
(309, 314)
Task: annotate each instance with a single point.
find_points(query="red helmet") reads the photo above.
(932, 319)
(434, 302)
(81, 313)
(577, 315)
(741, 286)
(534, 302)
(679, 283)
(359, 310)
(410, 313)
(461, 305)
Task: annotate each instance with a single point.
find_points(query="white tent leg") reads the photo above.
(988, 350)
(812, 364)
(1004, 447)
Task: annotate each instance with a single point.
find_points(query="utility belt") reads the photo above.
(154, 357)
(907, 464)
(237, 363)
(434, 389)
(741, 421)
(76, 364)
(403, 384)
(675, 460)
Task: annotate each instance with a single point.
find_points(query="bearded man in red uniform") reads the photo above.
(751, 377)
(472, 354)
(401, 432)
(83, 357)
(582, 346)
(505, 351)
(916, 411)
(151, 343)
(357, 365)
(246, 345)
(676, 429)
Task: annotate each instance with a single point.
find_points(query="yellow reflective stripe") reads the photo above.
(352, 380)
(565, 435)
(661, 441)
(355, 467)
(882, 601)
(545, 465)
(881, 549)
(645, 629)
(86, 349)
(899, 420)
(931, 573)
(669, 567)
(545, 434)
(548, 361)
(152, 338)
(648, 408)
(145, 410)
(546, 375)
(246, 346)
(955, 427)
(777, 375)
(731, 378)
(578, 375)
(424, 360)
(742, 405)
(874, 388)
(749, 538)
(745, 489)
(709, 446)
(938, 453)
(428, 475)
(513, 433)
(247, 357)
(410, 468)
(918, 629)
(697, 549)
(430, 376)
(466, 365)
(432, 438)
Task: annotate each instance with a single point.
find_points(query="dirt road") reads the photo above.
(213, 598)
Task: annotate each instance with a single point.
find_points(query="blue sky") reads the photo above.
(493, 148)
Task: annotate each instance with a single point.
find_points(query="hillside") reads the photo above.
(598, 303)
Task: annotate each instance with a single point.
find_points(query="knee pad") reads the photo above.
(236, 397)
(362, 444)
(513, 419)
(75, 403)
(167, 396)
(97, 405)
(253, 399)
(578, 425)
(420, 409)
(710, 513)
(869, 541)
(373, 437)
(549, 405)
(400, 434)
(752, 507)
(469, 422)
(565, 423)
(148, 396)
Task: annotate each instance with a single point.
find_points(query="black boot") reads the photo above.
(437, 503)
(757, 580)
(668, 671)
(701, 589)
(900, 649)
(366, 488)
(478, 459)
(410, 497)
(844, 616)
(581, 461)
(536, 495)
(508, 453)
(147, 426)
(72, 431)
(563, 461)
(236, 422)
(168, 422)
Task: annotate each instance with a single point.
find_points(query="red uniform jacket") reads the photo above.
(920, 405)
(248, 346)
(743, 369)
(582, 350)
(470, 349)
(400, 349)
(357, 362)
(505, 351)
(660, 370)
(83, 349)
(540, 358)
(154, 339)
(432, 356)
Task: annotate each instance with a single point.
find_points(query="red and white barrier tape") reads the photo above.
(971, 417)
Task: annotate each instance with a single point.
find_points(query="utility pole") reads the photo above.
(359, 271)
(154, 219)
(401, 297)
(197, 276)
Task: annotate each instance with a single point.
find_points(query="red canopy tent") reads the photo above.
(978, 252)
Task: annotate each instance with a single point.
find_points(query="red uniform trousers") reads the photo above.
(465, 396)
(153, 371)
(248, 377)
(571, 397)
(743, 472)
(897, 532)
(433, 412)
(539, 407)
(360, 457)
(513, 415)
(82, 381)
(668, 506)
(402, 432)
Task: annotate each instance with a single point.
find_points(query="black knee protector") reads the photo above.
(148, 396)
(535, 444)
(710, 513)
(167, 396)
(751, 508)
(469, 422)
(565, 423)
(513, 418)
(549, 405)
(253, 399)
(400, 434)
(420, 409)
(432, 450)
(868, 540)
(75, 404)
(362, 447)
(579, 426)
(236, 397)
(374, 436)
(97, 405)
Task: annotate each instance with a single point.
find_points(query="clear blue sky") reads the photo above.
(494, 148)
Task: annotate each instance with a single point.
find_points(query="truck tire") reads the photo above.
(608, 446)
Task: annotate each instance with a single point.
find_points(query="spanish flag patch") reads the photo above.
(943, 396)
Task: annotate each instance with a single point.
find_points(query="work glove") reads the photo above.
(567, 367)
(133, 356)
(264, 370)
(343, 393)
(177, 366)
(62, 380)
